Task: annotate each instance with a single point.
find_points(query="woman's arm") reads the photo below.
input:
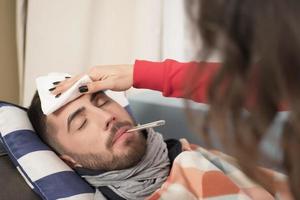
(171, 77)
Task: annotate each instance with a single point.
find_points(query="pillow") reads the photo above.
(2, 150)
(41, 168)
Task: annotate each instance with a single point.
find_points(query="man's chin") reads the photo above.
(126, 140)
(126, 147)
(132, 155)
(131, 151)
(124, 154)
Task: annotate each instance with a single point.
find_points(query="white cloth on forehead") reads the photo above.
(50, 103)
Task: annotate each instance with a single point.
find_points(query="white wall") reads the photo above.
(72, 35)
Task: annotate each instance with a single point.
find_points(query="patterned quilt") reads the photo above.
(209, 175)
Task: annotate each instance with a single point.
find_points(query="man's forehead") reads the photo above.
(84, 97)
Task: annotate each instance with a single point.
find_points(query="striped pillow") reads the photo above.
(41, 168)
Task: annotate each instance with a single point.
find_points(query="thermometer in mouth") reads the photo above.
(148, 125)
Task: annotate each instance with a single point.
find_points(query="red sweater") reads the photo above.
(169, 76)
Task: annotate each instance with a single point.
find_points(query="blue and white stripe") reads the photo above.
(41, 168)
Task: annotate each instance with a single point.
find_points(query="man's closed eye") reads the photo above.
(83, 124)
(101, 103)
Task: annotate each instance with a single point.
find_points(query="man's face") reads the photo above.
(91, 130)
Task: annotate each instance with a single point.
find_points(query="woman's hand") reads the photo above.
(185, 145)
(112, 77)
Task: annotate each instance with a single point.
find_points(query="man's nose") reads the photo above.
(108, 118)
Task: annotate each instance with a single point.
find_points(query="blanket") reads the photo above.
(200, 174)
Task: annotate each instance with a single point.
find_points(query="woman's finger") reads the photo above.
(96, 86)
(185, 145)
(64, 85)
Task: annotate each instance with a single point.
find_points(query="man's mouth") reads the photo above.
(120, 132)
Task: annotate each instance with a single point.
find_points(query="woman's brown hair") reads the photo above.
(259, 43)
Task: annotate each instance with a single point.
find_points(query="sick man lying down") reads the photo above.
(89, 134)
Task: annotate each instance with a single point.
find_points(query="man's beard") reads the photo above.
(133, 155)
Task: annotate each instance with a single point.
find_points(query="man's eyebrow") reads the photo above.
(73, 115)
(94, 95)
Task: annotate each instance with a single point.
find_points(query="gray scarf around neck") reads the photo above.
(142, 180)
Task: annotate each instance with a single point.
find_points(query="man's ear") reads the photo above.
(70, 161)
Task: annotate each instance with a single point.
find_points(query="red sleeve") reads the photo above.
(170, 77)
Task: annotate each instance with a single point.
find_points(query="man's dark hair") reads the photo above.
(44, 129)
